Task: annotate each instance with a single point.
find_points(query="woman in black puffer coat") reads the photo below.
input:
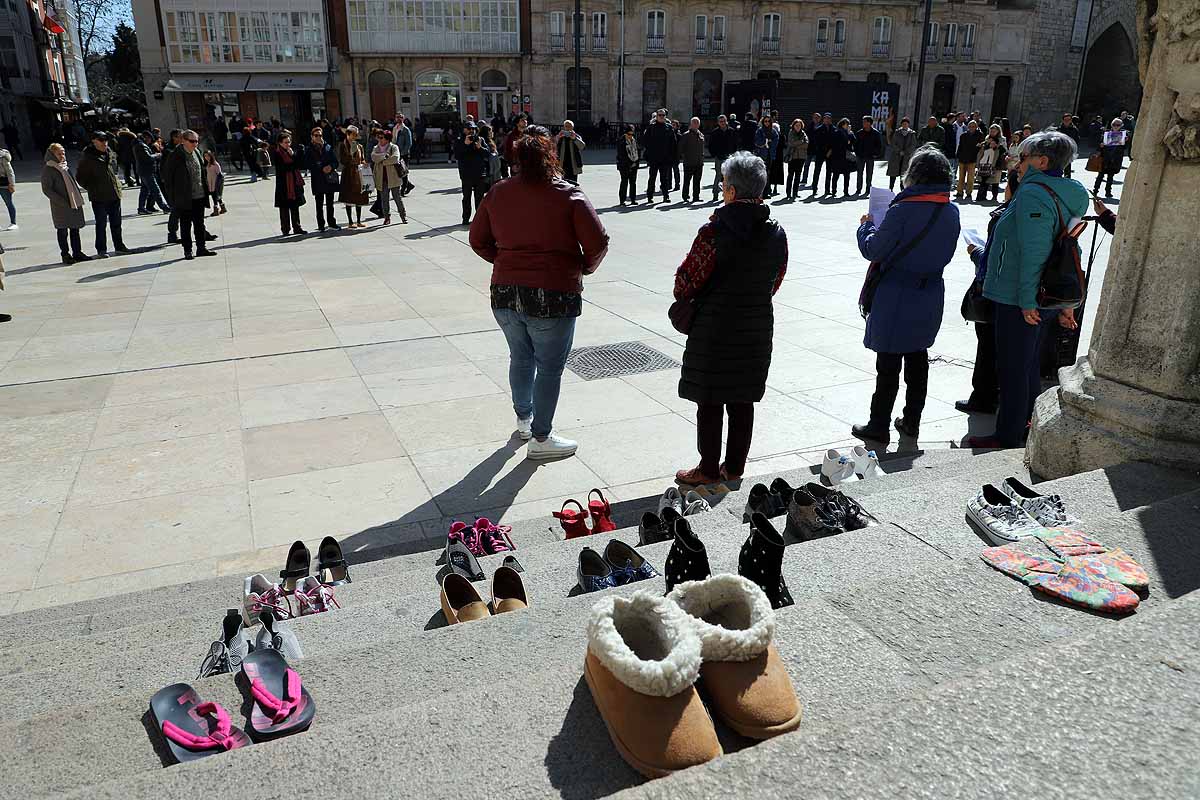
(735, 266)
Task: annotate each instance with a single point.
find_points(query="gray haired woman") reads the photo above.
(66, 202)
(1016, 255)
(735, 266)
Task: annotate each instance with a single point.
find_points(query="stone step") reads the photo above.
(520, 673)
(383, 559)
(58, 673)
(965, 738)
(1010, 614)
(183, 601)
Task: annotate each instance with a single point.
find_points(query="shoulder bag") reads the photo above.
(1095, 162)
(876, 271)
(1062, 284)
(682, 313)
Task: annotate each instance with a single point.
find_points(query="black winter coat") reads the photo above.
(176, 183)
(968, 146)
(660, 144)
(728, 351)
(868, 144)
(722, 143)
(315, 160)
(818, 142)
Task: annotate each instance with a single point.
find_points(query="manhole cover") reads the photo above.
(616, 360)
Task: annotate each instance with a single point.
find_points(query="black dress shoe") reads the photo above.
(172, 239)
(81, 257)
(208, 237)
(188, 256)
(301, 232)
(205, 252)
(910, 429)
(967, 407)
(122, 249)
(67, 259)
(5, 317)
(869, 434)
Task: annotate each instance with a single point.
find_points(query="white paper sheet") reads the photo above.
(880, 198)
(973, 236)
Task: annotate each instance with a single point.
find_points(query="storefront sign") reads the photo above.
(287, 82)
(206, 83)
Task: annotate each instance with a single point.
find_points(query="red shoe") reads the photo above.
(983, 443)
(573, 522)
(693, 477)
(601, 511)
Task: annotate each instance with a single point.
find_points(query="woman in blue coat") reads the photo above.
(914, 244)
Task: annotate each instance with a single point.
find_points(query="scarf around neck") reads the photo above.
(291, 177)
(74, 196)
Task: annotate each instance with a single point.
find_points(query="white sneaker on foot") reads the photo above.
(866, 463)
(13, 227)
(837, 467)
(552, 447)
(525, 428)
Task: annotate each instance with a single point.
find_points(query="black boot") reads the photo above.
(872, 432)
(761, 560)
(908, 427)
(688, 560)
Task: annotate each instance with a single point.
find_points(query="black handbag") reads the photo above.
(682, 314)
(976, 307)
(876, 271)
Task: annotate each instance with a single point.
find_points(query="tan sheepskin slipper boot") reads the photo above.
(745, 680)
(642, 662)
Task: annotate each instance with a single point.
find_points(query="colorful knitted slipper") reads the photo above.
(1097, 558)
(1066, 581)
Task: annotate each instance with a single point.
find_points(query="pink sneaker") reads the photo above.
(493, 538)
(260, 595)
(462, 532)
(315, 597)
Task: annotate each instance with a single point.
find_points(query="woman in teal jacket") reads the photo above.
(1017, 254)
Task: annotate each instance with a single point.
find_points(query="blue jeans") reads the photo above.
(110, 213)
(537, 352)
(12, 210)
(1018, 369)
(151, 193)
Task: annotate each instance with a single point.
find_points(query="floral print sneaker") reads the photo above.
(1000, 518)
(1048, 509)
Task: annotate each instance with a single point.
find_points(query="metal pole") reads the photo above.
(578, 57)
(918, 114)
(621, 70)
(1083, 61)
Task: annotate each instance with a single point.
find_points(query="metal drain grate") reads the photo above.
(616, 360)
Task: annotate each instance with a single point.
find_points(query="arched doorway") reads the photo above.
(1110, 77)
(494, 85)
(1001, 94)
(382, 85)
(654, 91)
(943, 95)
(706, 94)
(439, 97)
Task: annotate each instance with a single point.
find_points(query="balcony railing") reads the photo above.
(701, 46)
(769, 47)
(600, 43)
(718, 46)
(557, 41)
(431, 42)
(968, 52)
(839, 48)
(931, 52)
(881, 49)
(656, 44)
(948, 52)
(822, 47)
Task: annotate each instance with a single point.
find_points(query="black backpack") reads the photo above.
(1062, 284)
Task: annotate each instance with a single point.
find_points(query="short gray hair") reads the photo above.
(928, 165)
(746, 173)
(1058, 148)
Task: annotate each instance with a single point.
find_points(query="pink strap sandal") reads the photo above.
(281, 703)
(193, 729)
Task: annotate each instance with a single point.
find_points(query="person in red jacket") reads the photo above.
(537, 279)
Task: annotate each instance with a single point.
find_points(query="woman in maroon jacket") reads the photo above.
(537, 279)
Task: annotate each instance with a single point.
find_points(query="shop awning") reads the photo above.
(288, 82)
(52, 25)
(57, 105)
(206, 83)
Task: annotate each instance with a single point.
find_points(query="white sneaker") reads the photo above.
(1002, 520)
(671, 498)
(1048, 509)
(696, 504)
(866, 463)
(553, 447)
(525, 428)
(13, 227)
(837, 467)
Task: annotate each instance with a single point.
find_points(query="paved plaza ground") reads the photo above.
(166, 420)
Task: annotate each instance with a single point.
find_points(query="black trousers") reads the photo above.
(76, 247)
(816, 171)
(985, 385)
(710, 418)
(663, 173)
(1100, 178)
(887, 386)
(675, 175)
(172, 224)
(865, 165)
(629, 185)
(1018, 368)
(795, 177)
(289, 220)
(691, 181)
(324, 203)
(191, 221)
(472, 186)
(831, 182)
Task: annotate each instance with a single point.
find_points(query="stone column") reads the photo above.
(1136, 395)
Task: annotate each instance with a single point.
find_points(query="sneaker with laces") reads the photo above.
(525, 429)
(999, 517)
(837, 467)
(278, 636)
(671, 498)
(695, 504)
(225, 654)
(1048, 509)
(810, 517)
(468, 535)
(315, 597)
(259, 596)
(866, 463)
(553, 446)
(493, 538)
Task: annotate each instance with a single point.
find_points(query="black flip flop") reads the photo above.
(281, 704)
(459, 559)
(512, 563)
(192, 729)
(296, 568)
(331, 566)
